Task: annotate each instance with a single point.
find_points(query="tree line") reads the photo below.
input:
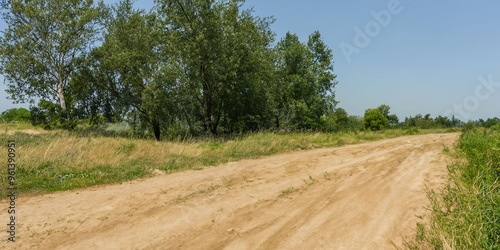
(203, 66)
(339, 121)
(185, 67)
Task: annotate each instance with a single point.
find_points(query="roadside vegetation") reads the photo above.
(192, 68)
(119, 93)
(54, 160)
(465, 214)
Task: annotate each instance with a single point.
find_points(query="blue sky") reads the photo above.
(437, 57)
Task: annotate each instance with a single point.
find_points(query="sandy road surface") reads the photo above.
(361, 196)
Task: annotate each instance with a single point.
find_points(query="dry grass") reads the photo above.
(58, 160)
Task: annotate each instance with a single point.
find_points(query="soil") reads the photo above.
(364, 196)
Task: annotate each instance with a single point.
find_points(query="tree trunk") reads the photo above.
(62, 101)
(60, 95)
(219, 115)
(207, 108)
(156, 128)
(278, 118)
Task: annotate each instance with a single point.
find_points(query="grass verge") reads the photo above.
(49, 161)
(466, 213)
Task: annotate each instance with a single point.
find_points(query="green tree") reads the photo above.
(443, 122)
(303, 87)
(92, 100)
(322, 66)
(386, 111)
(46, 114)
(375, 120)
(43, 40)
(393, 119)
(412, 121)
(293, 78)
(128, 66)
(490, 122)
(16, 114)
(338, 120)
(218, 53)
(356, 123)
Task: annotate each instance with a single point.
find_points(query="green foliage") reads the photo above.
(385, 110)
(47, 177)
(426, 122)
(140, 81)
(490, 122)
(16, 115)
(468, 127)
(91, 101)
(496, 127)
(412, 131)
(186, 68)
(43, 41)
(46, 114)
(301, 117)
(221, 61)
(304, 82)
(443, 122)
(375, 120)
(340, 121)
(356, 123)
(466, 214)
(393, 119)
(50, 116)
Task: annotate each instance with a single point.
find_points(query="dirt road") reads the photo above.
(361, 196)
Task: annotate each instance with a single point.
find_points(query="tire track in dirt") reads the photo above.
(350, 197)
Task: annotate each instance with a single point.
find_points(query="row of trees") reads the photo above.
(208, 66)
(380, 118)
(338, 121)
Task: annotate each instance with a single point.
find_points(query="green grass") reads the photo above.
(4, 127)
(58, 160)
(287, 192)
(466, 213)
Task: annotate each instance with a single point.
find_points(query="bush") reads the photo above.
(374, 120)
(468, 127)
(50, 116)
(337, 121)
(18, 115)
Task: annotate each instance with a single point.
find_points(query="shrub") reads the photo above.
(374, 120)
(16, 114)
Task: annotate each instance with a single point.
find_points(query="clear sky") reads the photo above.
(420, 56)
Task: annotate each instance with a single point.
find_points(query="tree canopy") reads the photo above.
(200, 66)
(43, 41)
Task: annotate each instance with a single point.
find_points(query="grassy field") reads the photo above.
(48, 161)
(466, 213)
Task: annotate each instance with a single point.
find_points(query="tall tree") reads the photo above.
(385, 110)
(303, 87)
(293, 76)
(43, 40)
(323, 70)
(128, 64)
(218, 52)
